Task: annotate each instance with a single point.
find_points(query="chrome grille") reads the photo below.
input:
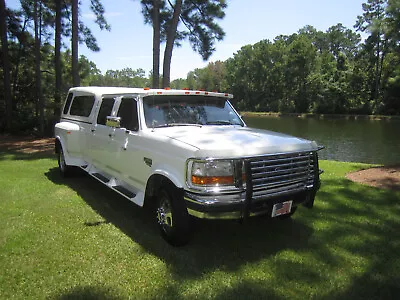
(282, 174)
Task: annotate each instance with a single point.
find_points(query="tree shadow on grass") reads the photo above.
(215, 245)
(367, 229)
(87, 293)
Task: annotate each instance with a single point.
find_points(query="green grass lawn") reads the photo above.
(73, 238)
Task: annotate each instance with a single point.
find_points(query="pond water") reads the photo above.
(368, 141)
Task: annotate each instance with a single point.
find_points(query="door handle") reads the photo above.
(93, 130)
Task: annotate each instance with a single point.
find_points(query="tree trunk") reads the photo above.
(57, 57)
(378, 59)
(6, 65)
(171, 34)
(21, 51)
(75, 68)
(156, 44)
(38, 78)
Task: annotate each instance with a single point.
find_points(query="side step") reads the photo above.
(127, 193)
(120, 187)
(100, 177)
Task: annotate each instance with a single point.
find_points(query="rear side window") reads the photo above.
(129, 114)
(82, 106)
(67, 103)
(105, 110)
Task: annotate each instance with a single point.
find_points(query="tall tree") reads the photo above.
(74, 43)
(199, 26)
(373, 22)
(57, 59)
(156, 43)
(6, 66)
(78, 27)
(169, 45)
(38, 77)
(151, 10)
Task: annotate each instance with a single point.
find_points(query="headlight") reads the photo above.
(215, 174)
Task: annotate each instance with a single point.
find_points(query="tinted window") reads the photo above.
(105, 110)
(128, 113)
(82, 106)
(67, 103)
(179, 110)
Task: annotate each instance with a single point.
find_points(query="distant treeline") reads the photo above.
(331, 72)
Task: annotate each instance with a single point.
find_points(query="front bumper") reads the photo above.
(237, 206)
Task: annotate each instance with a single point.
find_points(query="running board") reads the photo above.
(117, 185)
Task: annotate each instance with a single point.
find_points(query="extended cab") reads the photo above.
(189, 152)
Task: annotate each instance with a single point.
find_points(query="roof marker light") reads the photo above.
(146, 88)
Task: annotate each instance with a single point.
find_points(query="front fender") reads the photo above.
(173, 174)
(67, 135)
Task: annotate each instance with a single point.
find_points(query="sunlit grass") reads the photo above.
(73, 238)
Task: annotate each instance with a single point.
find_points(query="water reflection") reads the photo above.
(369, 141)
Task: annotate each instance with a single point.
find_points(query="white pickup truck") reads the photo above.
(189, 152)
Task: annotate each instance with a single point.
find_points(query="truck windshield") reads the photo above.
(183, 110)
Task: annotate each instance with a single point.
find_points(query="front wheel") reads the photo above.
(172, 217)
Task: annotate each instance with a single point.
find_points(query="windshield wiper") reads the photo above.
(219, 122)
(178, 124)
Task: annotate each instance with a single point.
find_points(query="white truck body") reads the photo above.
(188, 145)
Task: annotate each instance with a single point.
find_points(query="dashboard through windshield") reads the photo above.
(188, 110)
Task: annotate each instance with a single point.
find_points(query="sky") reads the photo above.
(129, 43)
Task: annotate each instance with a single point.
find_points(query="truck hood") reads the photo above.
(236, 141)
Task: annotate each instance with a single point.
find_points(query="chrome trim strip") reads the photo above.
(306, 162)
(224, 216)
(280, 177)
(277, 185)
(279, 193)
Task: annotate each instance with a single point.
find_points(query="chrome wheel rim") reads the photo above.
(164, 213)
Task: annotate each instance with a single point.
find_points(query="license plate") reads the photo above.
(282, 208)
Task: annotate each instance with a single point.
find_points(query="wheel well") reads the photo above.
(57, 146)
(153, 185)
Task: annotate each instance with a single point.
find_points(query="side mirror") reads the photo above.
(114, 122)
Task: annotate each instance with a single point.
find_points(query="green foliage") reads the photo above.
(126, 77)
(319, 72)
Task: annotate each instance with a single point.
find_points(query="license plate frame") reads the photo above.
(281, 208)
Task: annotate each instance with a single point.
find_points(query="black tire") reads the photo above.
(289, 215)
(64, 169)
(172, 217)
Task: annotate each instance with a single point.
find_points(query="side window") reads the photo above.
(105, 110)
(67, 103)
(129, 114)
(82, 106)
